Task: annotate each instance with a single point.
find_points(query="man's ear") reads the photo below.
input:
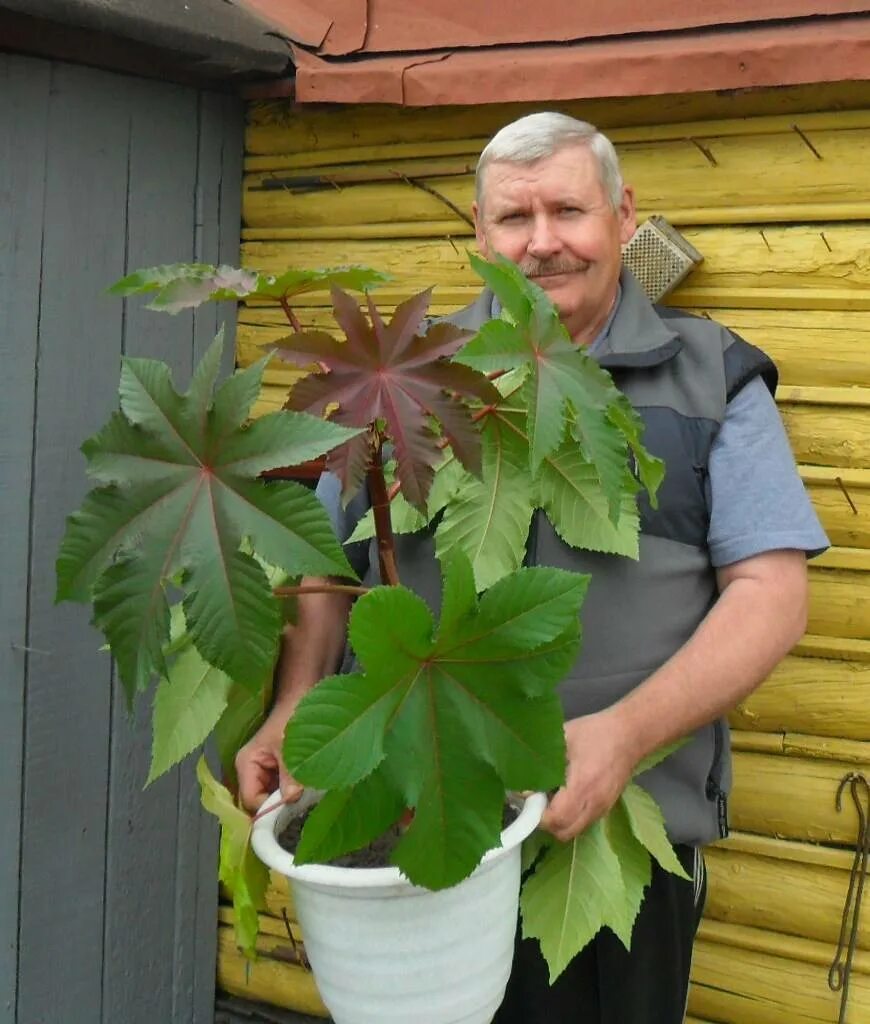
(627, 215)
(478, 231)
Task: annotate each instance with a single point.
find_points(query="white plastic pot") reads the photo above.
(384, 951)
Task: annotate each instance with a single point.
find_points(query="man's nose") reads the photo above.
(544, 241)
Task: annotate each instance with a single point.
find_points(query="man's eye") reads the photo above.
(570, 211)
(511, 218)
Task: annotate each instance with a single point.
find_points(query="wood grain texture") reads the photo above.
(791, 797)
(24, 86)
(752, 976)
(743, 888)
(144, 831)
(821, 696)
(274, 977)
(66, 769)
(105, 170)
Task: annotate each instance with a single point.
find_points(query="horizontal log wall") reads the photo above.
(779, 204)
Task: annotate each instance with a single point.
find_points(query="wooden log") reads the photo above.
(839, 603)
(820, 696)
(274, 977)
(690, 181)
(279, 126)
(815, 347)
(774, 267)
(792, 797)
(841, 498)
(789, 896)
(828, 435)
(754, 977)
(793, 744)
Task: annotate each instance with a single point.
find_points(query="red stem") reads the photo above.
(320, 588)
(381, 511)
(291, 316)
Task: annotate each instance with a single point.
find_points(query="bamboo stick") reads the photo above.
(812, 646)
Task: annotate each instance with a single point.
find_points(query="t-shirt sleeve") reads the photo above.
(758, 500)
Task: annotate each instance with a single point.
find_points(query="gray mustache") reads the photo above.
(543, 268)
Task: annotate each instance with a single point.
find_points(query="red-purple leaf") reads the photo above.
(395, 373)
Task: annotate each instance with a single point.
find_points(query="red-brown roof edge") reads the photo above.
(796, 53)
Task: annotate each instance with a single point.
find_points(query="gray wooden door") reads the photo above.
(107, 893)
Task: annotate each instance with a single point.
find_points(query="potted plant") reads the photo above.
(189, 558)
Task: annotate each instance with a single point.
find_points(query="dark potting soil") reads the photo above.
(377, 853)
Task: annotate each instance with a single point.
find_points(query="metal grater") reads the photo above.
(659, 257)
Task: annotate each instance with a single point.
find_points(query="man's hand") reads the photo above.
(599, 769)
(260, 768)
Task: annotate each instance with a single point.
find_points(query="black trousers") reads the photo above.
(605, 984)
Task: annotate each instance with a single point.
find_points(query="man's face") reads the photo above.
(554, 218)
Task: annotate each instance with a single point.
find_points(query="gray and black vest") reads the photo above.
(679, 371)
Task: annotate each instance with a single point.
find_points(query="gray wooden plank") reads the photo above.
(68, 706)
(143, 942)
(23, 112)
(219, 189)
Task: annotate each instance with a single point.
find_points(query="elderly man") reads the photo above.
(671, 642)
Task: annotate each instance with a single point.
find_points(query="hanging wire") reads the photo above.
(841, 969)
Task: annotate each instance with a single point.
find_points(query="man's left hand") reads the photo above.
(599, 769)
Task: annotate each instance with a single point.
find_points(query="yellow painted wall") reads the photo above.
(779, 204)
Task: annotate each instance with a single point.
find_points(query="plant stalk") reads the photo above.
(291, 316)
(323, 588)
(381, 512)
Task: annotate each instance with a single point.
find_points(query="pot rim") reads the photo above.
(267, 848)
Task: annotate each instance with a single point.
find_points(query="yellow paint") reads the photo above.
(749, 976)
(757, 891)
(818, 696)
(791, 797)
(269, 978)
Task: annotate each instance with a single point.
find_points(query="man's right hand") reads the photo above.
(260, 768)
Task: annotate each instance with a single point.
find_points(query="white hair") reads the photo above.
(536, 136)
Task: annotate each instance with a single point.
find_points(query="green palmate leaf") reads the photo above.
(241, 871)
(349, 819)
(560, 372)
(648, 826)
(570, 494)
(243, 715)
(488, 519)
(187, 705)
(576, 889)
(181, 286)
(187, 517)
(447, 713)
(297, 282)
(635, 867)
(566, 388)
(650, 470)
(597, 879)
